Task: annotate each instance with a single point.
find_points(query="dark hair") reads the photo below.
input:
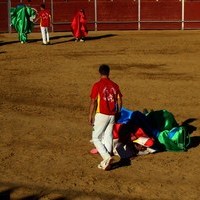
(42, 6)
(104, 69)
(82, 10)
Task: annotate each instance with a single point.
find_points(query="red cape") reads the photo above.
(78, 25)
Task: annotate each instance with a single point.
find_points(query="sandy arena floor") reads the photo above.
(44, 101)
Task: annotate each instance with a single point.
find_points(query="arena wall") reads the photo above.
(114, 14)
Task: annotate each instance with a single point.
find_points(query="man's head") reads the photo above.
(104, 70)
(42, 6)
(82, 10)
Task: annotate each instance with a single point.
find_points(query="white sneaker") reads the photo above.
(105, 164)
(81, 40)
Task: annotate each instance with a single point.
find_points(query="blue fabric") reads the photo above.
(125, 116)
(137, 119)
(155, 133)
(172, 132)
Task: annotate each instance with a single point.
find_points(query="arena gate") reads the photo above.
(114, 14)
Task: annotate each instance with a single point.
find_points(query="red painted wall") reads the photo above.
(64, 11)
(192, 13)
(115, 14)
(162, 10)
(3, 16)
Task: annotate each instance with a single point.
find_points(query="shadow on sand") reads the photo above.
(194, 140)
(37, 192)
(51, 38)
(100, 37)
(59, 37)
(8, 42)
(34, 40)
(87, 38)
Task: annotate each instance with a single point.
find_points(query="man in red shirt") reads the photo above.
(45, 22)
(106, 102)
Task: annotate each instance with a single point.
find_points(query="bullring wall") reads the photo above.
(115, 14)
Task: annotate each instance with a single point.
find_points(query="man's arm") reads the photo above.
(119, 104)
(93, 106)
(50, 19)
(37, 17)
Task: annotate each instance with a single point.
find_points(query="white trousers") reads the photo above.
(102, 136)
(45, 34)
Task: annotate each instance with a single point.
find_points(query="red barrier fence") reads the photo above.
(114, 14)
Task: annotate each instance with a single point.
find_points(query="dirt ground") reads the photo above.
(44, 101)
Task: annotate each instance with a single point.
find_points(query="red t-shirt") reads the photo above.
(106, 92)
(44, 18)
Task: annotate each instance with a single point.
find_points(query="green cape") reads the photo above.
(21, 20)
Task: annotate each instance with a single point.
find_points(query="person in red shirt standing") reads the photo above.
(106, 102)
(45, 22)
(78, 25)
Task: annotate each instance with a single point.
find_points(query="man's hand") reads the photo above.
(91, 120)
(93, 104)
